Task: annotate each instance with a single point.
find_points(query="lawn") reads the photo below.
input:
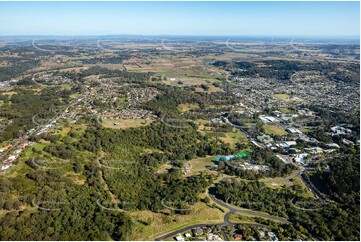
(274, 130)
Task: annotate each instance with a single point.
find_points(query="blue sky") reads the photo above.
(180, 18)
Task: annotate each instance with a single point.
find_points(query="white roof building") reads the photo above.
(187, 235)
(179, 238)
(300, 158)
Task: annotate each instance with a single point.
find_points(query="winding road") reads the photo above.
(226, 219)
(284, 179)
(245, 211)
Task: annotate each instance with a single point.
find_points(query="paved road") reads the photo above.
(226, 220)
(281, 180)
(246, 211)
(172, 234)
(245, 133)
(238, 127)
(175, 233)
(37, 128)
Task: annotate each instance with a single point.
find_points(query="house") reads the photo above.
(23, 145)
(347, 142)
(18, 151)
(282, 159)
(272, 236)
(286, 144)
(237, 236)
(300, 158)
(11, 158)
(286, 118)
(262, 234)
(293, 130)
(340, 130)
(5, 167)
(251, 238)
(197, 231)
(256, 144)
(314, 150)
(5, 148)
(334, 145)
(187, 235)
(306, 112)
(266, 139)
(179, 238)
(213, 237)
(295, 150)
(290, 143)
(216, 120)
(329, 150)
(268, 119)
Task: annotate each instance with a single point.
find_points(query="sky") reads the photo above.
(181, 18)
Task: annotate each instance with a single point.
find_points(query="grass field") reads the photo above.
(9, 93)
(64, 131)
(161, 224)
(199, 165)
(200, 123)
(187, 106)
(164, 168)
(125, 123)
(274, 129)
(307, 193)
(286, 110)
(275, 185)
(234, 137)
(286, 98)
(283, 97)
(304, 130)
(3, 212)
(239, 217)
(231, 138)
(190, 81)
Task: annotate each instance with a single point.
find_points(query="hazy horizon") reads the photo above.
(319, 19)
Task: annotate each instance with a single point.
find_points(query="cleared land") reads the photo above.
(162, 224)
(125, 123)
(274, 130)
(283, 97)
(187, 106)
(234, 137)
